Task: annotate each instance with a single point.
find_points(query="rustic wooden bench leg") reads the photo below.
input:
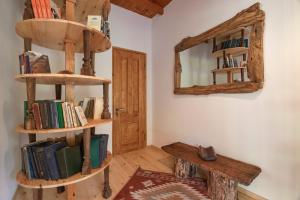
(220, 187)
(71, 192)
(184, 169)
(106, 190)
(37, 194)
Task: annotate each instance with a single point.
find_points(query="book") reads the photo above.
(53, 114)
(98, 107)
(94, 21)
(74, 117)
(43, 8)
(38, 63)
(60, 114)
(65, 114)
(69, 161)
(55, 10)
(85, 103)
(81, 116)
(94, 152)
(22, 63)
(48, 9)
(35, 9)
(70, 118)
(44, 114)
(51, 159)
(37, 116)
(103, 147)
(25, 159)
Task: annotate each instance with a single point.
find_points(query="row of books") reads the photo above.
(52, 160)
(92, 107)
(33, 62)
(229, 61)
(231, 44)
(50, 114)
(45, 9)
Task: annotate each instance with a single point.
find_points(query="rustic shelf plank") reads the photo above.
(40, 183)
(235, 170)
(91, 123)
(52, 33)
(63, 79)
(232, 51)
(225, 70)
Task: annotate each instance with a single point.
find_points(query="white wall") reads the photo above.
(9, 109)
(261, 128)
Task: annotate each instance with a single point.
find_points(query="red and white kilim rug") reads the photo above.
(150, 185)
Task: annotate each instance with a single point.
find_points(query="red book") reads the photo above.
(48, 9)
(37, 116)
(34, 7)
(43, 8)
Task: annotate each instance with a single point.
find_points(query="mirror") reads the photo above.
(225, 59)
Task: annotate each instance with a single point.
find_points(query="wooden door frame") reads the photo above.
(113, 98)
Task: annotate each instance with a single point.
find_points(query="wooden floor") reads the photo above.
(123, 166)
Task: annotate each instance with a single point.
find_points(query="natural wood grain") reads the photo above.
(39, 183)
(122, 168)
(63, 79)
(91, 123)
(143, 7)
(52, 33)
(235, 170)
(71, 189)
(252, 17)
(129, 100)
(232, 51)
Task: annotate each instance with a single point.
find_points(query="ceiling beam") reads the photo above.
(143, 7)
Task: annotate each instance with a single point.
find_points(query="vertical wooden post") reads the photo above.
(220, 187)
(29, 123)
(106, 190)
(214, 44)
(93, 55)
(86, 167)
(242, 75)
(70, 10)
(105, 114)
(86, 66)
(71, 192)
(218, 63)
(229, 77)
(37, 194)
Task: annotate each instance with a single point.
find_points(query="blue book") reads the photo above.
(50, 158)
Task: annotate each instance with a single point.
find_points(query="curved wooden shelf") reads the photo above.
(91, 123)
(232, 51)
(51, 79)
(52, 33)
(40, 183)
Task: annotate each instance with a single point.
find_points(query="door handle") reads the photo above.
(119, 110)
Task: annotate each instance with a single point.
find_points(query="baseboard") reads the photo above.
(244, 194)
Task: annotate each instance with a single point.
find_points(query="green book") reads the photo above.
(69, 161)
(94, 152)
(61, 123)
(25, 111)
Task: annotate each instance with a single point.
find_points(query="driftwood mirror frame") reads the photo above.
(252, 16)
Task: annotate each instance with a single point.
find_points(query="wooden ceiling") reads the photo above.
(147, 8)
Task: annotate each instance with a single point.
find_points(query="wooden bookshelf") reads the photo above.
(63, 79)
(52, 34)
(91, 123)
(76, 178)
(232, 51)
(71, 37)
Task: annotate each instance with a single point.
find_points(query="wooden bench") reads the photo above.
(224, 174)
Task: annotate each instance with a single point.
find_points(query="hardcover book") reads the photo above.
(37, 116)
(60, 114)
(51, 159)
(69, 161)
(81, 116)
(94, 21)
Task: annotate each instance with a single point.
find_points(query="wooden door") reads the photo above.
(129, 100)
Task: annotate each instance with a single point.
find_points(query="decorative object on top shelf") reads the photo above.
(210, 62)
(207, 154)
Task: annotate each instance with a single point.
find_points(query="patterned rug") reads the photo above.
(150, 185)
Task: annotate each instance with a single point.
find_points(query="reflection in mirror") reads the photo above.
(219, 60)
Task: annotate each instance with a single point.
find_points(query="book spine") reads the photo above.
(70, 115)
(60, 114)
(37, 116)
(54, 114)
(81, 116)
(34, 7)
(43, 9)
(32, 163)
(26, 163)
(61, 161)
(65, 114)
(73, 115)
(27, 65)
